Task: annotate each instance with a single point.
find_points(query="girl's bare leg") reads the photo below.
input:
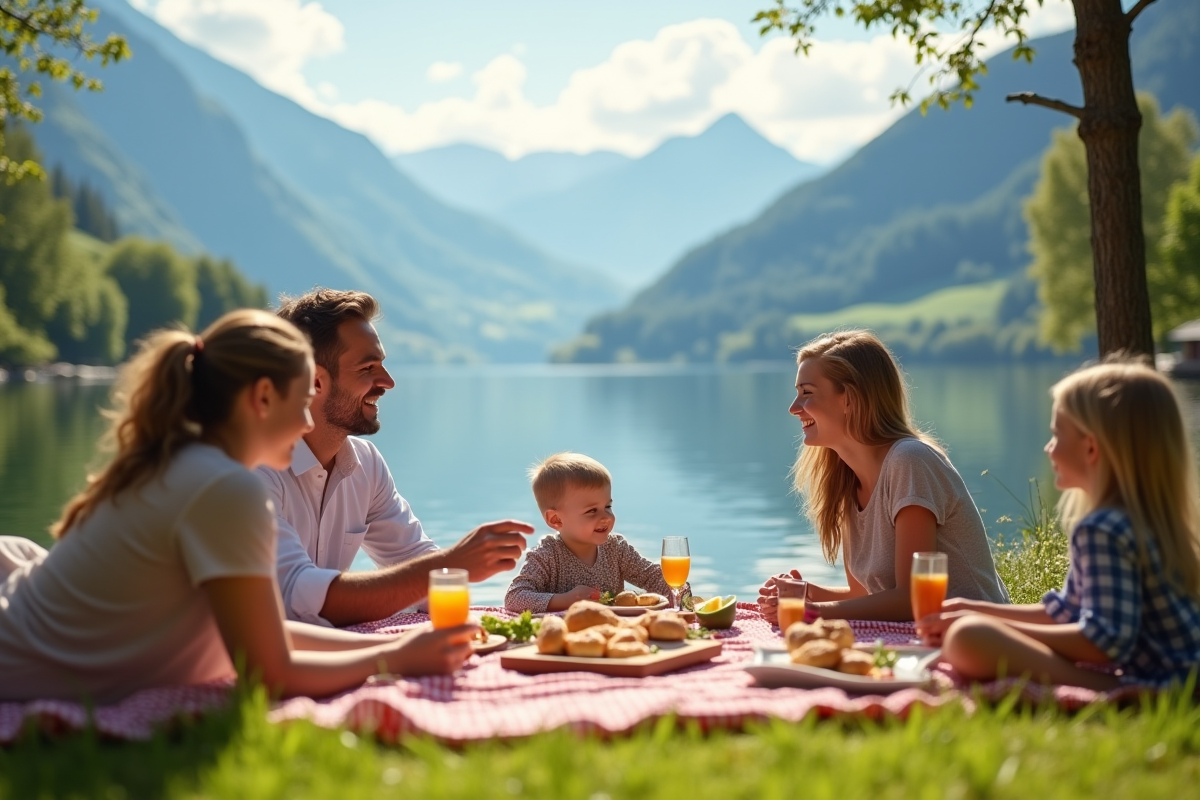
(984, 648)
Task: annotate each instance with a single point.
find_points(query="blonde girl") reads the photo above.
(1131, 601)
(164, 569)
(876, 489)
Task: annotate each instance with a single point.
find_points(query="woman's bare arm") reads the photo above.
(247, 612)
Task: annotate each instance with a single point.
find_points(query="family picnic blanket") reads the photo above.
(486, 701)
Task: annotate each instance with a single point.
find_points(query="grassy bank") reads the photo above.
(998, 752)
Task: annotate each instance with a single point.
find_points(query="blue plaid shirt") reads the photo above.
(1147, 626)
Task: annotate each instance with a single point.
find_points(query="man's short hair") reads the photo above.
(320, 312)
(552, 477)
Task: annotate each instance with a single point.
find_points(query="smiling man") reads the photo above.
(338, 494)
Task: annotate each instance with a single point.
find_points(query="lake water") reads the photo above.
(700, 452)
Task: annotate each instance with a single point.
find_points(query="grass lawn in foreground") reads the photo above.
(997, 752)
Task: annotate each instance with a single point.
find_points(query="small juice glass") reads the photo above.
(449, 597)
(928, 585)
(792, 594)
(676, 564)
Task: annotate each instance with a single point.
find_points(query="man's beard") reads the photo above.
(344, 410)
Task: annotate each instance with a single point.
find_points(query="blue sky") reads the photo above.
(521, 76)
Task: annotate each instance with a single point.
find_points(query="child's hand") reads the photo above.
(583, 593)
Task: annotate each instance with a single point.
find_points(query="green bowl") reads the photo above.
(722, 617)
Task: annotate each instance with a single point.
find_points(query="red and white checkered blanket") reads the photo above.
(484, 700)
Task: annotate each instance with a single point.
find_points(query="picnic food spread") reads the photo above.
(829, 644)
(629, 599)
(591, 630)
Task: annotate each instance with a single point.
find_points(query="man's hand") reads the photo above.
(491, 548)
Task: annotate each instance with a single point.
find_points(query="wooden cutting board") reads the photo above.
(670, 657)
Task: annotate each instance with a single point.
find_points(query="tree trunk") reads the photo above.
(1109, 129)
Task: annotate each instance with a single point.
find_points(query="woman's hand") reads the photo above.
(932, 629)
(431, 651)
(768, 595)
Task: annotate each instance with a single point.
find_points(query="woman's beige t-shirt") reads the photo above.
(116, 605)
(915, 474)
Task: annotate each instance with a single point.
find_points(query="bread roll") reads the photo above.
(626, 648)
(817, 653)
(668, 627)
(585, 614)
(837, 630)
(800, 633)
(607, 631)
(586, 643)
(632, 624)
(649, 599)
(856, 662)
(550, 636)
(625, 599)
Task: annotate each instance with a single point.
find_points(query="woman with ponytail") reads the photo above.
(876, 488)
(164, 569)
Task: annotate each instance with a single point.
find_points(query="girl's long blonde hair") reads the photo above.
(1146, 465)
(178, 387)
(857, 363)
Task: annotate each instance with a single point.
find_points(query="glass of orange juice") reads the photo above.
(928, 585)
(449, 598)
(676, 564)
(792, 594)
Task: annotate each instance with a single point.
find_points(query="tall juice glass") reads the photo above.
(928, 586)
(449, 597)
(792, 594)
(676, 564)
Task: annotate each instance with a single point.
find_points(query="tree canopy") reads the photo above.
(45, 38)
(1179, 255)
(945, 35)
(1060, 232)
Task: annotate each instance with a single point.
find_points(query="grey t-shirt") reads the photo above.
(915, 474)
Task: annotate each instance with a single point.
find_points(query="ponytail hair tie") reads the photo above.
(197, 346)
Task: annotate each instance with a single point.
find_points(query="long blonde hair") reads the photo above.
(1146, 465)
(857, 363)
(179, 386)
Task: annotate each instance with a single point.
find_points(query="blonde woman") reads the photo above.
(164, 569)
(1132, 595)
(876, 489)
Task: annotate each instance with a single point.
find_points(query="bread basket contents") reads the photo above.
(829, 644)
(591, 630)
(628, 599)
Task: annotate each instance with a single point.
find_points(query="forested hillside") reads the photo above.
(933, 203)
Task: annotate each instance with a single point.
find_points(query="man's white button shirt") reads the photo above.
(324, 519)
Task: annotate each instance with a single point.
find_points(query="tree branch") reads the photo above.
(1132, 14)
(1031, 99)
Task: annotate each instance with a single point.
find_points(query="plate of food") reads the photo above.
(631, 604)
(824, 653)
(591, 637)
(488, 643)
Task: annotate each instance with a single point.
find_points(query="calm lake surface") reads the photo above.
(700, 452)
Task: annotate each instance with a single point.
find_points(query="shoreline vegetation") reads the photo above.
(999, 750)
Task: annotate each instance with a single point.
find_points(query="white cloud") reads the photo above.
(270, 40)
(819, 107)
(442, 71)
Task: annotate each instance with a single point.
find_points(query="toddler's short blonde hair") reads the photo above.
(552, 476)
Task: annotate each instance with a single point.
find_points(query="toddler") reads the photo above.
(1132, 596)
(584, 557)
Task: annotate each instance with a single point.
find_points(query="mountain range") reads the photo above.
(630, 218)
(932, 205)
(190, 150)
